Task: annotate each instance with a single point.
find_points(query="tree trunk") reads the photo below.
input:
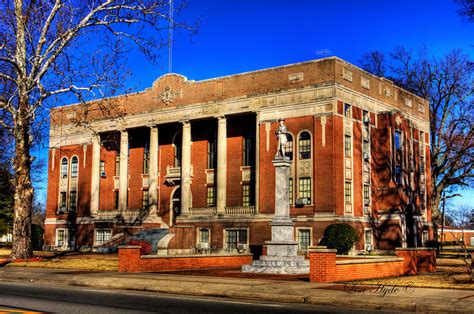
(22, 246)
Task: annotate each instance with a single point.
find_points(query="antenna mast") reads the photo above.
(170, 38)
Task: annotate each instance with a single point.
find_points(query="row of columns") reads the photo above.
(153, 169)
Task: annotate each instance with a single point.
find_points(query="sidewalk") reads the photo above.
(290, 291)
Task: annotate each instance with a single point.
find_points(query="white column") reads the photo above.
(123, 180)
(186, 168)
(221, 164)
(153, 171)
(95, 176)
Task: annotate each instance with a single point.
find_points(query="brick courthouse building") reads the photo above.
(195, 157)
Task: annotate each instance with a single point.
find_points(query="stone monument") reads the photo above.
(282, 251)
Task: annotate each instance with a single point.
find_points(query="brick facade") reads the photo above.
(329, 185)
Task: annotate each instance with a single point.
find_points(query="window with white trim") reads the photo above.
(74, 167)
(368, 238)
(304, 189)
(304, 143)
(60, 237)
(73, 200)
(146, 157)
(62, 201)
(64, 166)
(290, 191)
(211, 196)
(102, 236)
(348, 192)
(304, 239)
(234, 237)
(203, 235)
(347, 111)
(145, 199)
(245, 195)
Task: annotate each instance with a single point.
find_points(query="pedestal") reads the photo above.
(282, 251)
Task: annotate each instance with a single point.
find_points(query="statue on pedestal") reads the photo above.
(281, 137)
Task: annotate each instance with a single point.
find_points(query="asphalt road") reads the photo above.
(67, 299)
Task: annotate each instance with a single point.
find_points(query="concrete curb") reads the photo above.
(240, 292)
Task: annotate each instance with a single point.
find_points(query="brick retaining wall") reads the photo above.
(325, 267)
(131, 261)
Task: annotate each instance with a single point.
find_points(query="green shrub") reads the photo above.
(340, 237)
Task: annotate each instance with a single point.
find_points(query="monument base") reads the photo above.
(282, 251)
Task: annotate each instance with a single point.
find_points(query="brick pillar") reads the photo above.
(417, 259)
(129, 258)
(322, 264)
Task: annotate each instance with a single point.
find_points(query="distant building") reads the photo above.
(196, 157)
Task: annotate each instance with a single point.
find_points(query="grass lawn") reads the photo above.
(450, 273)
(73, 260)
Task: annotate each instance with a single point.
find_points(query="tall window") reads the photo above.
(304, 239)
(177, 149)
(73, 200)
(74, 167)
(203, 235)
(212, 153)
(234, 237)
(348, 193)
(304, 189)
(305, 145)
(398, 174)
(63, 201)
(117, 165)
(211, 196)
(102, 235)
(290, 191)
(64, 167)
(366, 147)
(366, 192)
(245, 195)
(146, 157)
(145, 199)
(347, 146)
(60, 237)
(347, 111)
(398, 140)
(368, 237)
(289, 146)
(247, 155)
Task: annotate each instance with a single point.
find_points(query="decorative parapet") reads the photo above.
(240, 210)
(202, 211)
(173, 174)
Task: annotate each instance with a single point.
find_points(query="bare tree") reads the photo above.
(460, 216)
(467, 9)
(447, 82)
(54, 51)
(374, 62)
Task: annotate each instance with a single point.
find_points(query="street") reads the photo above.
(65, 299)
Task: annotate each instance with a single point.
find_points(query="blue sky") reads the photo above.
(239, 36)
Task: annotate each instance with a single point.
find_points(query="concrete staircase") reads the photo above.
(153, 236)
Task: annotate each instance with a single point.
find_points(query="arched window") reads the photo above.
(74, 167)
(64, 164)
(289, 146)
(304, 145)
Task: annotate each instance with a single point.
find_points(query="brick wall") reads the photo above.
(131, 261)
(325, 267)
(417, 260)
